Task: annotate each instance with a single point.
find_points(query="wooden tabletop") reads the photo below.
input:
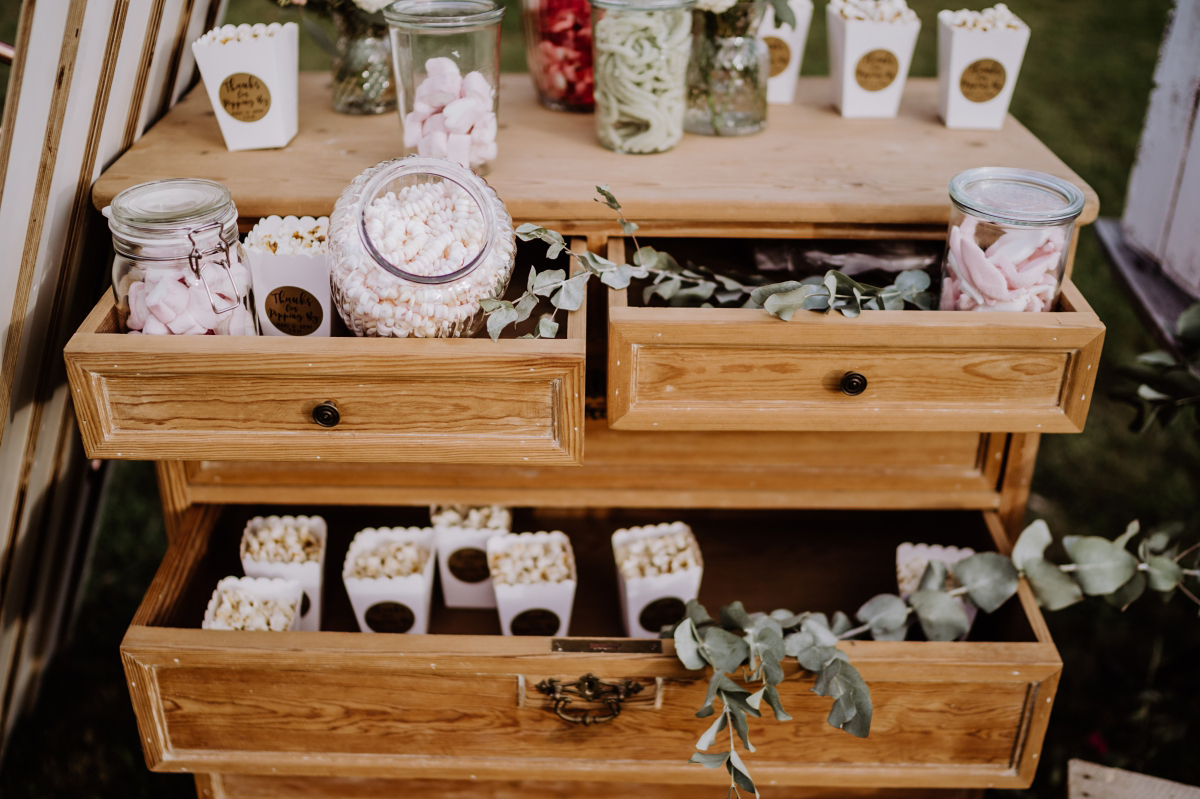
(809, 166)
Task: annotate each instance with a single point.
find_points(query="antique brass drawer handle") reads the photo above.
(592, 689)
(326, 414)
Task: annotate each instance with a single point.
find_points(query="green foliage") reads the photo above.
(1167, 383)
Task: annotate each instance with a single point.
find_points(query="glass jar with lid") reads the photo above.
(179, 267)
(415, 246)
(558, 51)
(447, 59)
(641, 59)
(1010, 232)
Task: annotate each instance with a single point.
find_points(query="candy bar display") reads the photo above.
(253, 603)
(293, 548)
(447, 61)
(415, 245)
(979, 56)
(871, 45)
(251, 74)
(558, 50)
(179, 267)
(659, 569)
(388, 574)
(533, 575)
(1010, 230)
(641, 49)
(287, 257)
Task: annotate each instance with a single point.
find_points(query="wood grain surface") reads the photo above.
(810, 166)
(457, 703)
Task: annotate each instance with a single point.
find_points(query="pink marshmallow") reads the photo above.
(137, 306)
(200, 308)
(439, 90)
(184, 324)
(482, 153)
(434, 145)
(434, 123)
(458, 148)
(166, 299)
(155, 327)
(462, 114)
(477, 86)
(412, 130)
(441, 66)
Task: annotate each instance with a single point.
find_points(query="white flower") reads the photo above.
(715, 6)
(371, 6)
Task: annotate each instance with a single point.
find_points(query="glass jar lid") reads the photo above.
(443, 14)
(642, 5)
(1016, 196)
(170, 205)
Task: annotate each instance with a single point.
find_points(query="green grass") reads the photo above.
(1130, 690)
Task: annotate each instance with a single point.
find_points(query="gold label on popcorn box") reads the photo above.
(877, 70)
(293, 310)
(780, 54)
(245, 97)
(982, 80)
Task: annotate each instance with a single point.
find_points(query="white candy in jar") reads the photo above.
(238, 609)
(658, 549)
(484, 517)
(277, 539)
(423, 231)
(532, 558)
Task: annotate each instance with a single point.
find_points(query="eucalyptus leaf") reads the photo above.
(501, 318)
(737, 717)
(629, 227)
(941, 617)
(819, 627)
(1188, 326)
(772, 670)
(710, 735)
(886, 613)
(911, 281)
(784, 15)
(809, 298)
(714, 683)
(698, 614)
(724, 650)
(840, 624)
(1102, 567)
(934, 576)
(852, 709)
(759, 295)
(665, 289)
(892, 301)
(618, 277)
(1132, 529)
(795, 643)
(570, 297)
(547, 327)
(547, 281)
(647, 257)
(609, 199)
(1157, 358)
(1163, 573)
(1031, 544)
(596, 264)
(692, 296)
(525, 307)
(490, 304)
(687, 645)
(1128, 593)
(737, 770)
(989, 577)
(735, 617)
(772, 696)
(713, 760)
(1053, 587)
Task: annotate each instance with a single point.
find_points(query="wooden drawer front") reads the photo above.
(427, 400)
(741, 369)
(452, 705)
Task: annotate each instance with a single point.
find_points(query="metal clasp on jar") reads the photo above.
(196, 259)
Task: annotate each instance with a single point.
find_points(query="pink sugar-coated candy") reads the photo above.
(441, 66)
(458, 148)
(485, 129)
(433, 123)
(1017, 245)
(433, 145)
(200, 307)
(462, 114)
(477, 86)
(137, 306)
(1015, 279)
(184, 324)
(166, 299)
(412, 130)
(982, 273)
(155, 327)
(241, 277)
(949, 294)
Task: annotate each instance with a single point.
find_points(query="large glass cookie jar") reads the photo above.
(415, 245)
(179, 267)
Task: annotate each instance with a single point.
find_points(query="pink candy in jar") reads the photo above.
(558, 48)
(1009, 234)
(179, 267)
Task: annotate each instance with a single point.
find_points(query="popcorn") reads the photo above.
(388, 559)
(424, 229)
(874, 10)
(240, 33)
(485, 517)
(1018, 272)
(530, 558)
(990, 19)
(452, 116)
(249, 603)
(285, 539)
(668, 549)
(289, 235)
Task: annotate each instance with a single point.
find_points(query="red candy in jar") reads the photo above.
(558, 47)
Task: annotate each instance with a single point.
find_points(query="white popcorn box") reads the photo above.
(272, 588)
(977, 71)
(786, 47)
(911, 560)
(251, 74)
(291, 290)
(537, 608)
(463, 566)
(868, 64)
(309, 574)
(651, 602)
(391, 604)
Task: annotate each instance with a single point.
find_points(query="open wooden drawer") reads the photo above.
(743, 369)
(253, 398)
(462, 703)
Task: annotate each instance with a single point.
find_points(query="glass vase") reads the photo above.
(362, 66)
(728, 72)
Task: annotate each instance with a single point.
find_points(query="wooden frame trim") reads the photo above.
(137, 101)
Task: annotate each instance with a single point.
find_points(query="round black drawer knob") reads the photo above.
(326, 414)
(853, 384)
